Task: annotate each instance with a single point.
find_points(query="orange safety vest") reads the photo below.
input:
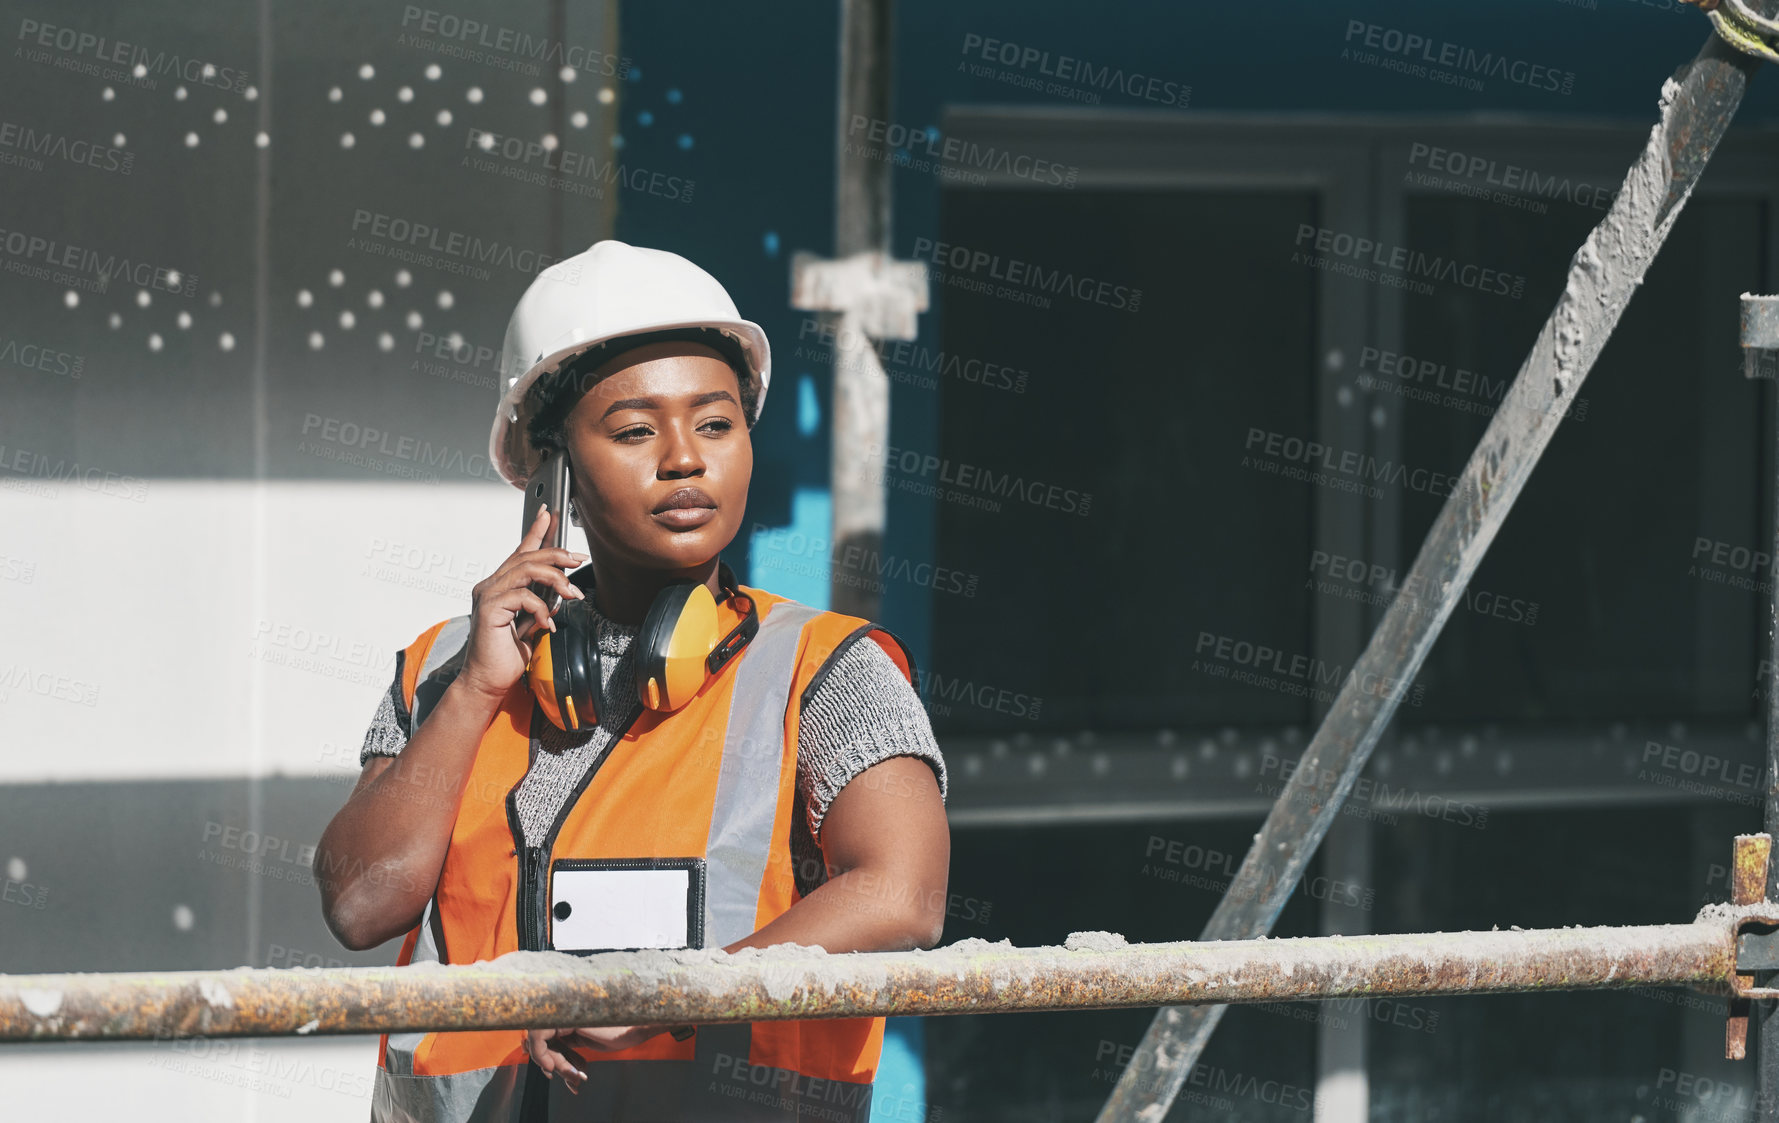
(714, 785)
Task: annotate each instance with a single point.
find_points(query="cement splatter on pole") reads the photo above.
(1091, 971)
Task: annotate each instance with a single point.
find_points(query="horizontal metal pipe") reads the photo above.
(1092, 971)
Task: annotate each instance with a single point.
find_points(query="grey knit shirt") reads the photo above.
(863, 713)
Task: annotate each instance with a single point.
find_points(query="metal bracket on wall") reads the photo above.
(1748, 886)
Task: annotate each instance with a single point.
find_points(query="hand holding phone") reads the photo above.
(507, 606)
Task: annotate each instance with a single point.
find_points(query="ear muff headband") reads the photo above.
(578, 706)
(560, 690)
(738, 638)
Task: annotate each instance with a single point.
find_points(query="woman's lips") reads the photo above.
(684, 518)
(686, 508)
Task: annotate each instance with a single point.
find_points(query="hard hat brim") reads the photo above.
(509, 450)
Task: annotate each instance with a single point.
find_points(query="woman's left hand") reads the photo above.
(545, 1048)
(549, 1048)
(612, 1038)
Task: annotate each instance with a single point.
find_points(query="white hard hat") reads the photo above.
(609, 290)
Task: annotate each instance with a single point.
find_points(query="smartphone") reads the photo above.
(548, 486)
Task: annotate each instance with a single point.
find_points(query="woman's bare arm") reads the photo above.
(378, 861)
(888, 851)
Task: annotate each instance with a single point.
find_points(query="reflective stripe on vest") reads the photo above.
(483, 1076)
(747, 795)
(448, 647)
(426, 950)
(449, 644)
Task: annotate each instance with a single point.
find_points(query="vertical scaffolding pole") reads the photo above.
(1760, 345)
(861, 226)
(1696, 107)
(1343, 1089)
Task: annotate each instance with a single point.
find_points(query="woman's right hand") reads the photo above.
(497, 655)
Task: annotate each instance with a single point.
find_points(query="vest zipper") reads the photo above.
(531, 905)
(534, 860)
(534, 1093)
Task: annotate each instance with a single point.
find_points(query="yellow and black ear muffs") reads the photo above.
(678, 648)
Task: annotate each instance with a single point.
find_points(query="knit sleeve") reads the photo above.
(388, 732)
(863, 713)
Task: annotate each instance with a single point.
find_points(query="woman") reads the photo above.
(792, 793)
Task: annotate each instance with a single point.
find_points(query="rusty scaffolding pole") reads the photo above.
(1760, 343)
(1093, 971)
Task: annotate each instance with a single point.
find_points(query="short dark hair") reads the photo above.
(553, 397)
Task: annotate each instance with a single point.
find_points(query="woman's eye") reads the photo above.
(638, 431)
(719, 424)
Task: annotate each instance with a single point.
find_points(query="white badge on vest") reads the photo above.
(626, 904)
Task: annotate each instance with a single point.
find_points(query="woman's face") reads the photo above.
(662, 457)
